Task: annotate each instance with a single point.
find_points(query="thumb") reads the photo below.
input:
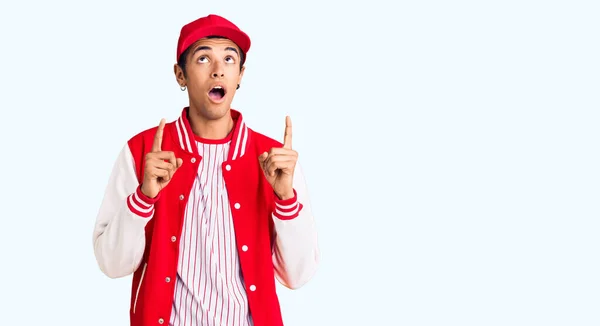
(179, 162)
(262, 157)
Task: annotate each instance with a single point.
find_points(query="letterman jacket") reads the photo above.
(276, 239)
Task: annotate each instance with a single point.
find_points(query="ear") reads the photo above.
(179, 76)
(241, 74)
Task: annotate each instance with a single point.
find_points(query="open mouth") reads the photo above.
(217, 93)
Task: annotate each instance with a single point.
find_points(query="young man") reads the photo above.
(204, 211)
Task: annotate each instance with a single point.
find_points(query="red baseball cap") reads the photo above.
(211, 25)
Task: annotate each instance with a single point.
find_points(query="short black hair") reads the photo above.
(182, 60)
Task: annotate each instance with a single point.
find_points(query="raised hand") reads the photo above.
(157, 172)
(278, 164)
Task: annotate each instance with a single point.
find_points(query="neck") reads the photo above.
(207, 128)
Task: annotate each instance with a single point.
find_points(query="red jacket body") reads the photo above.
(138, 235)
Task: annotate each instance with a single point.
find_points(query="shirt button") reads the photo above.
(228, 167)
(245, 248)
(237, 205)
(161, 321)
(193, 160)
(252, 288)
(181, 197)
(173, 238)
(167, 279)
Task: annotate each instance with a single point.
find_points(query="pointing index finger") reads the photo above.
(287, 135)
(157, 145)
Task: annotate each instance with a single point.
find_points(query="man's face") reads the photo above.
(213, 73)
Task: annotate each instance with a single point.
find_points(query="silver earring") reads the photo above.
(183, 88)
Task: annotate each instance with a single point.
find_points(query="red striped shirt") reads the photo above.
(209, 287)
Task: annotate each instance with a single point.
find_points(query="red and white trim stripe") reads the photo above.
(182, 132)
(287, 209)
(140, 204)
(240, 139)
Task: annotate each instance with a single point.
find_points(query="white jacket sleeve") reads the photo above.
(295, 253)
(119, 231)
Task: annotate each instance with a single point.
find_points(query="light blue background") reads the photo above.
(451, 151)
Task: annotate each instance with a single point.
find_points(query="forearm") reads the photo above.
(296, 253)
(119, 236)
(119, 232)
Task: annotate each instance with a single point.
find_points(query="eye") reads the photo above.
(202, 59)
(229, 60)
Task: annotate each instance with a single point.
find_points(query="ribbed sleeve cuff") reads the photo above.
(141, 204)
(287, 209)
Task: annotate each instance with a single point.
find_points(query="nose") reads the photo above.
(217, 71)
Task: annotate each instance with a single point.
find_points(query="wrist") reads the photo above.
(285, 195)
(147, 196)
(144, 191)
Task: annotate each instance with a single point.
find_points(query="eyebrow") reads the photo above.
(204, 47)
